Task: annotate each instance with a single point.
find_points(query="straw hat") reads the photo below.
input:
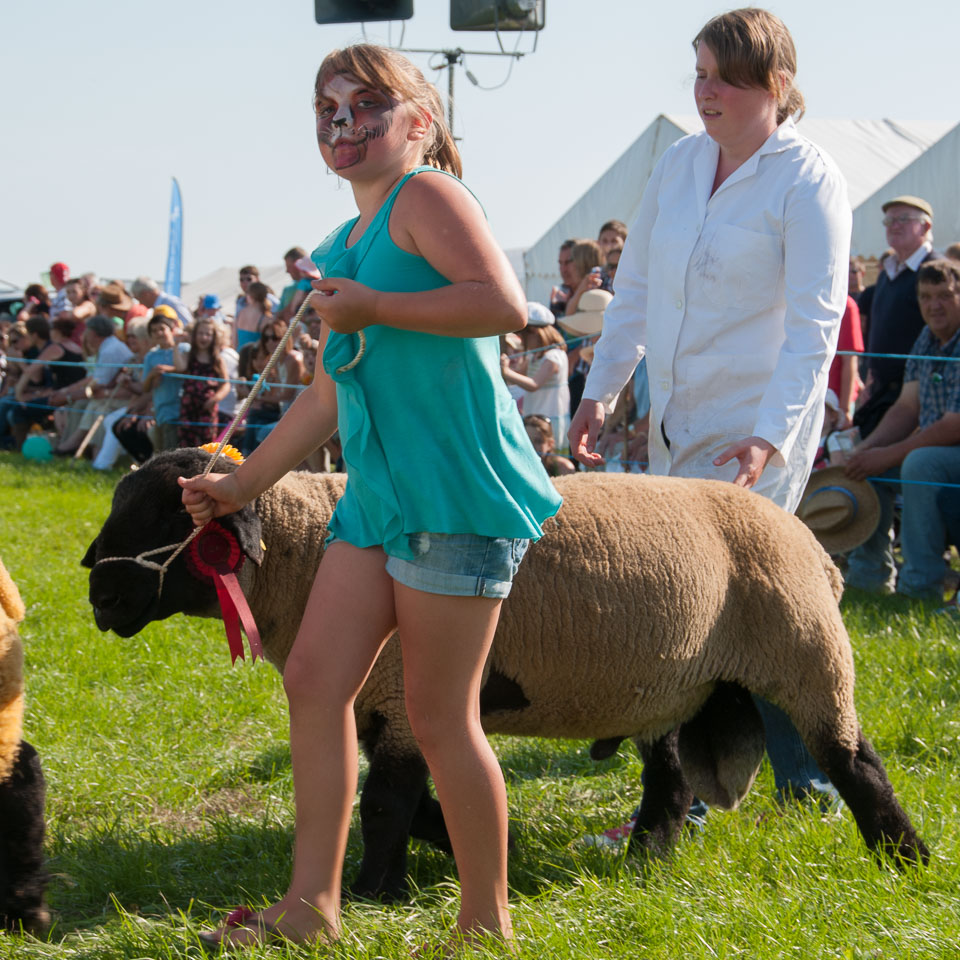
(842, 513)
(114, 296)
(588, 319)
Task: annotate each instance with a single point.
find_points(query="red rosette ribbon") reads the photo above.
(214, 554)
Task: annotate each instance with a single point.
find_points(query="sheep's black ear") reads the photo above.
(90, 557)
(245, 526)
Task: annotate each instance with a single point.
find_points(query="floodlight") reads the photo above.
(497, 14)
(361, 11)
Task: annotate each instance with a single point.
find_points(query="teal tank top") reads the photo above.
(432, 441)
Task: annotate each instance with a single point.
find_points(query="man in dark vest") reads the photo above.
(895, 321)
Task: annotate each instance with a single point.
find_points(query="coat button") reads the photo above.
(679, 304)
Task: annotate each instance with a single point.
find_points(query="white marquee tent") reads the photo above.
(879, 158)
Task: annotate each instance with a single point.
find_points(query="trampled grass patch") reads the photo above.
(170, 796)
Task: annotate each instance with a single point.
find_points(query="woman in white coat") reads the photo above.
(732, 282)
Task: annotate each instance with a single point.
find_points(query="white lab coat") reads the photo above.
(736, 301)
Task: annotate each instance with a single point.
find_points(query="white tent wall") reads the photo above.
(615, 196)
(934, 176)
(225, 283)
(872, 154)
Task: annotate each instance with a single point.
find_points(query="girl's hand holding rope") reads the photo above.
(210, 496)
(345, 305)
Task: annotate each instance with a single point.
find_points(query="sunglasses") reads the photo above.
(270, 337)
(245, 277)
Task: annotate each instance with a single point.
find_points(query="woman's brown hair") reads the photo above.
(391, 72)
(257, 292)
(754, 49)
(586, 255)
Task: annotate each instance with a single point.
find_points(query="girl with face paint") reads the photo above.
(444, 490)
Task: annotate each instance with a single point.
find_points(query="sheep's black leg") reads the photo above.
(862, 782)
(391, 797)
(428, 823)
(666, 797)
(22, 875)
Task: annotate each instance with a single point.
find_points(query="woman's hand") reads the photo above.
(584, 430)
(211, 496)
(345, 305)
(753, 453)
(590, 281)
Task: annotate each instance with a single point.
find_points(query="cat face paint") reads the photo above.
(349, 117)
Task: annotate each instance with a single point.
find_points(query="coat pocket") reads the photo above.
(739, 269)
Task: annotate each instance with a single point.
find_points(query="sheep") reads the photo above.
(23, 878)
(697, 591)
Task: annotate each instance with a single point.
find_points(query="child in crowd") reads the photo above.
(161, 408)
(412, 546)
(540, 432)
(511, 347)
(546, 378)
(205, 385)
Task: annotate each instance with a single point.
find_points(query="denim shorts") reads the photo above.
(459, 564)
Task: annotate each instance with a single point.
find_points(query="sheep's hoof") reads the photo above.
(393, 894)
(905, 853)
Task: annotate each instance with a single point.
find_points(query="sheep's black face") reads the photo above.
(147, 513)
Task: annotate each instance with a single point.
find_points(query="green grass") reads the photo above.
(170, 795)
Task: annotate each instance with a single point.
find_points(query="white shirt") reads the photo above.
(553, 397)
(894, 267)
(736, 300)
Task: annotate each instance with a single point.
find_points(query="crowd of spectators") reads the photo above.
(103, 369)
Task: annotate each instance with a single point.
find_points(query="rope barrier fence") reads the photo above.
(260, 384)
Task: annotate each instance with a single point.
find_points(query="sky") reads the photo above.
(102, 102)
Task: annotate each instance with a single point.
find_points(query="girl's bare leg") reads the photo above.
(445, 644)
(348, 617)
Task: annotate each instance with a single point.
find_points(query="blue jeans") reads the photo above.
(795, 772)
(922, 528)
(260, 421)
(8, 404)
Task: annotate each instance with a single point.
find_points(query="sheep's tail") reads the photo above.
(834, 576)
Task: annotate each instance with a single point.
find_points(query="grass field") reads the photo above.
(170, 796)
